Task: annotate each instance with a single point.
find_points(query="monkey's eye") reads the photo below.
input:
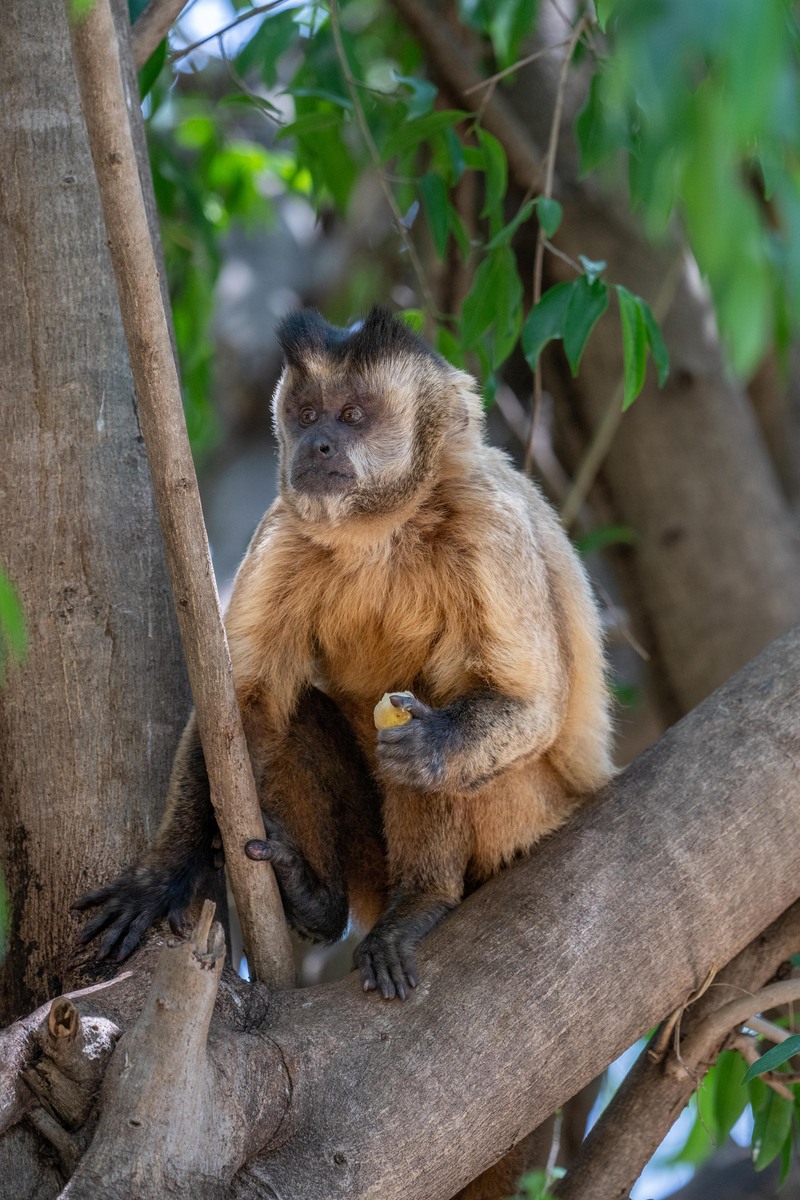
(352, 415)
(307, 416)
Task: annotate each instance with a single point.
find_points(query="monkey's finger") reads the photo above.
(98, 923)
(368, 981)
(111, 940)
(134, 935)
(90, 899)
(409, 704)
(257, 850)
(409, 964)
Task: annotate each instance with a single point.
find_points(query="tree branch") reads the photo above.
(340, 1095)
(653, 1094)
(152, 27)
(161, 414)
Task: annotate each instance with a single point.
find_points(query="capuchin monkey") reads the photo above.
(402, 555)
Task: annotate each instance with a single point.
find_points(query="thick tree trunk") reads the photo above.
(88, 724)
(527, 990)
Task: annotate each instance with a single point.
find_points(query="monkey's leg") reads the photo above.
(163, 884)
(428, 847)
(317, 792)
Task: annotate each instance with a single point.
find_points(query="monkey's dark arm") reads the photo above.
(466, 743)
(164, 882)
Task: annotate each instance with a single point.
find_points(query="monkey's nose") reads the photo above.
(324, 448)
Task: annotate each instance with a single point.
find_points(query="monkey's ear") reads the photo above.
(381, 334)
(304, 333)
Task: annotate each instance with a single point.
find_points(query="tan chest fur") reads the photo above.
(384, 623)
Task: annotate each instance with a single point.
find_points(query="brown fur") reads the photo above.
(437, 568)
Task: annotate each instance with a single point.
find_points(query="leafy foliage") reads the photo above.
(702, 100)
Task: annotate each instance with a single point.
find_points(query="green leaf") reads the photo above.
(135, 9)
(496, 170)
(423, 94)
(730, 1096)
(593, 269)
(507, 232)
(414, 318)
(603, 536)
(550, 214)
(494, 304)
(449, 347)
(634, 344)
(656, 343)
(772, 1127)
(545, 322)
(413, 133)
(774, 1057)
(437, 210)
(265, 48)
(604, 10)
(786, 1162)
(152, 68)
(586, 305)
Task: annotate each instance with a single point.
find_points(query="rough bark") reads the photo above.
(233, 791)
(88, 723)
(538, 980)
(152, 27)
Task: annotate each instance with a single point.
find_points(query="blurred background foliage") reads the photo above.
(308, 153)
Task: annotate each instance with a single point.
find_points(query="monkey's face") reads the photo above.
(348, 443)
(361, 417)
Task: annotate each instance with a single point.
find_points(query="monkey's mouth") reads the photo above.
(313, 481)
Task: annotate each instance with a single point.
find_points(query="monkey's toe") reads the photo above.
(386, 964)
(129, 905)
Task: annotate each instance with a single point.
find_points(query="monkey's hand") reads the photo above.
(131, 903)
(417, 755)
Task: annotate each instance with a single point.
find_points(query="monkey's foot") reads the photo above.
(131, 903)
(387, 962)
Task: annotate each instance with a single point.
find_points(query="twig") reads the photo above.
(152, 27)
(768, 1030)
(259, 10)
(746, 1047)
(521, 62)
(547, 192)
(735, 1012)
(603, 435)
(160, 408)
(366, 133)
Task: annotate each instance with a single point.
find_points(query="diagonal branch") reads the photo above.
(158, 394)
(152, 27)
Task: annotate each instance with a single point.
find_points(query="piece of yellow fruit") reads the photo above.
(386, 715)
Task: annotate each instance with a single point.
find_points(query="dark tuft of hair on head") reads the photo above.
(306, 332)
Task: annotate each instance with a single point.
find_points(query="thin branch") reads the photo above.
(233, 792)
(152, 27)
(747, 1048)
(369, 141)
(735, 1012)
(768, 1029)
(547, 192)
(259, 10)
(521, 62)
